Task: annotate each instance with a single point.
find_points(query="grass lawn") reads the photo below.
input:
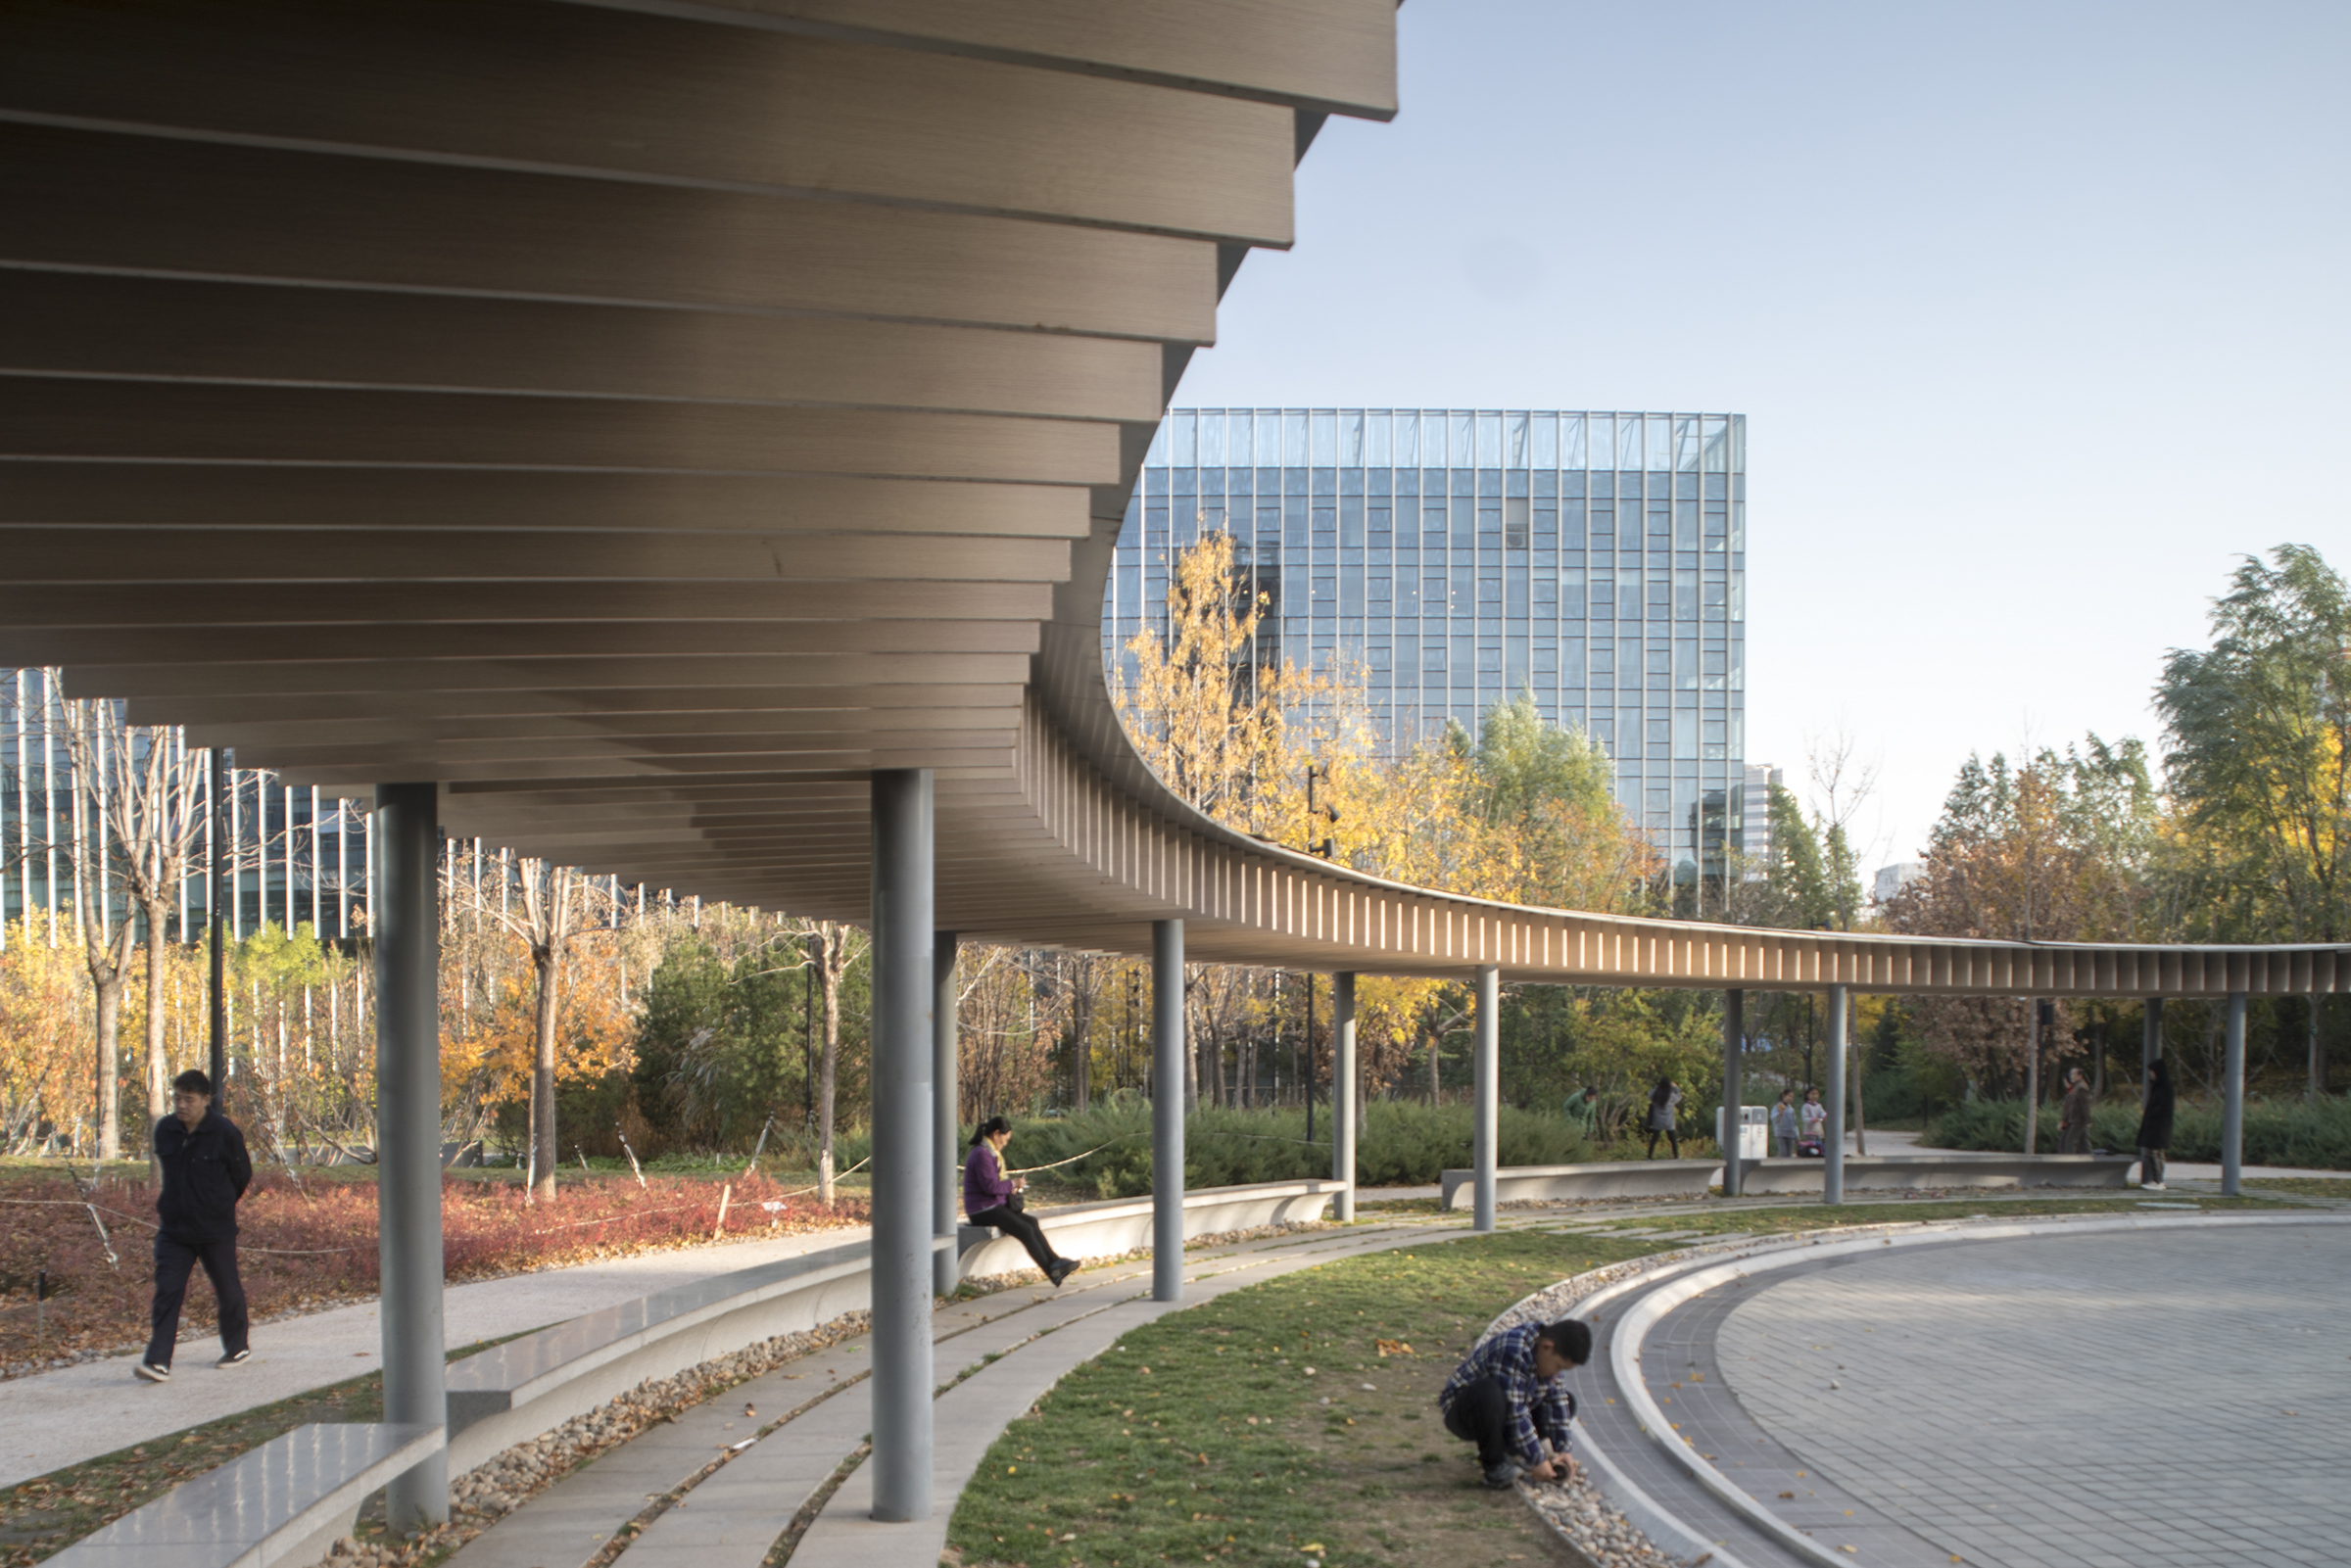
(2303, 1186)
(1205, 1437)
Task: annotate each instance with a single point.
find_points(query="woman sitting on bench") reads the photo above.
(991, 1198)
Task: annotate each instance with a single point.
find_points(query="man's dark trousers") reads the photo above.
(1481, 1414)
(174, 1260)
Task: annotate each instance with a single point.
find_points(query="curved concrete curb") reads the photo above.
(1662, 1296)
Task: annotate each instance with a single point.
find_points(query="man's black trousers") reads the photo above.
(1480, 1413)
(173, 1262)
(1031, 1235)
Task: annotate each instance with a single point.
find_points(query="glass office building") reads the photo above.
(297, 857)
(1596, 560)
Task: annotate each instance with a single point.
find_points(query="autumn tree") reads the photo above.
(2258, 729)
(2055, 850)
(832, 948)
(148, 806)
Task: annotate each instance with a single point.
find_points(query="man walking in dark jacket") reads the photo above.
(205, 1173)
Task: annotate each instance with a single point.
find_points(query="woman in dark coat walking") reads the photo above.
(2156, 1125)
(1664, 1111)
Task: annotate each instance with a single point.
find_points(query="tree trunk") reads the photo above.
(107, 998)
(1860, 1059)
(2318, 1053)
(159, 1069)
(1432, 1069)
(544, 1156)
(827, 957)
(1081, 1045)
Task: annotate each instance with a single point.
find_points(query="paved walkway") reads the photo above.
(79, 1412)
(1884, 1143)
(2101, 1400)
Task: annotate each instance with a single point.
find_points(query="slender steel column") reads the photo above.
(215, 904)
(2232, 1104)
(2032, 1077)
(1486, 1090)
(904, 1137)
(1167, 1110)
(406, 926)
(2150, 1044)
(1734, 1087)
(1832, 1180)
(946, 1272)
(1342, 1092)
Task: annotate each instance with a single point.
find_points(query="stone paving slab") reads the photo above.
(54, 1419)
(2063, 1400)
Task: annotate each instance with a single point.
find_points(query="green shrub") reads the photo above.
(1401, 1143)
(2301, 1134)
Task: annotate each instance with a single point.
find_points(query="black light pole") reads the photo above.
(223, 857)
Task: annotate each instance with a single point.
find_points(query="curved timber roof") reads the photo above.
(648, 418)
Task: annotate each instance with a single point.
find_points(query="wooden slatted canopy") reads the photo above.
(648, 419)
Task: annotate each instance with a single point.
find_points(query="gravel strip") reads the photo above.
(490, 1490)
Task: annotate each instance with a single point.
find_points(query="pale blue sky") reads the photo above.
(2035, 311)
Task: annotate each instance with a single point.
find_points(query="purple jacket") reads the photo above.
(984, 1184)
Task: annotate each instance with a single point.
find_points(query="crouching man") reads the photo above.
(1511, 1398)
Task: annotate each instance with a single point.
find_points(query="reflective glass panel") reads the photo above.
(1408, 439)
(1325, 437)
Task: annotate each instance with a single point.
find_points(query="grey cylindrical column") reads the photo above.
(1167, 1110)
(2151, 1043)
(1831, 1177)
(1486, 1089)
(406, 920)
(2033, 1076)
(901, 1046)
(2233, 1103)
(945, 1143)
(1342, 1092)
(1733, 1087)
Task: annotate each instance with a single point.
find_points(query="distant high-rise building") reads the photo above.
(1757, 782)
(1891, 880)
(1596, 560)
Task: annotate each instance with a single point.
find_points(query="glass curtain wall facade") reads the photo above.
(1594, 559)
(298, 858)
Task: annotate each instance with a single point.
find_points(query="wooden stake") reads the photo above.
(724, 1193)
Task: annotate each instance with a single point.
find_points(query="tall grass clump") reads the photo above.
(2308, 1134)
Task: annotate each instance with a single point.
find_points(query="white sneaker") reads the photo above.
(152, 1372)
(2153, 1186)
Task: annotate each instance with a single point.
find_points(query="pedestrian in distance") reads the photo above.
(1783, 1125)
(1509, 1396)
(206, 1172)
(1665, 1108)
(2156, 1125)
(2072, 1116)
(1583, 1115)
(1816, 1123)
(993, 1198)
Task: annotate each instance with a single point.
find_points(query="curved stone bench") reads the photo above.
(514, 1392)
(1120, 1225)
(1601, 1179)
(1893, 1172)
(286, 1501)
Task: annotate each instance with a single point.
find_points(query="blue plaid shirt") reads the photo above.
(1540, 1407)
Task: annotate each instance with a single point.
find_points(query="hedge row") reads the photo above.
(2305, 1133)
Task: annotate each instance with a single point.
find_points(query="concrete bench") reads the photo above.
(528, 1386)
(1604, 1178)
(1884, 1172)
(1120, 1226)
(286, 1501)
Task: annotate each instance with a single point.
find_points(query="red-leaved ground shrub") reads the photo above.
(314, 1245)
